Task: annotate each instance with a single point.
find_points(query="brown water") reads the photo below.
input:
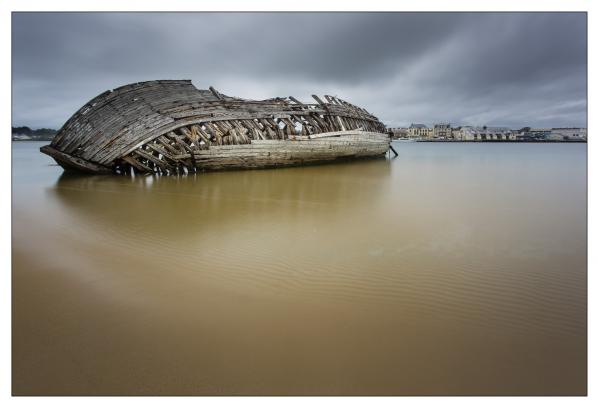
(452, 269)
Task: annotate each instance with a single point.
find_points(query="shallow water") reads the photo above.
(453, 269)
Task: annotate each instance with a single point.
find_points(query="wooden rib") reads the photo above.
(160, 163)
(137, 164)
(216, 93)
(157, 148)
(296, 101)
(166, 143)
(320, 102)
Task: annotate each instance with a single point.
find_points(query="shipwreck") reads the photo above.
(171, 127)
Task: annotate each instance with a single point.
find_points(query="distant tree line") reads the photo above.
(19, 132)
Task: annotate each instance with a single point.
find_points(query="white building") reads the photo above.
(568, 134)
(418, 130)
(484, 133)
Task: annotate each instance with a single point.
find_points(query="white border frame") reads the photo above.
(8, 6)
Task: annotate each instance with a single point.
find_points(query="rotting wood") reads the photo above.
(169, 126)
(138, 164)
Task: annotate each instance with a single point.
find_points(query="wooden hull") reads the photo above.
(270, 153)
(278, 153)
(171, 127)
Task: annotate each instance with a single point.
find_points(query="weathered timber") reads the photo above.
(69, 162)
(170, 127)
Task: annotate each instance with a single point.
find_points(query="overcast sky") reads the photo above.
(497, 69)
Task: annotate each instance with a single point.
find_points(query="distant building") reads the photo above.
(485, 133)
(418, 130)
(455, 133)
(568, 134)
(398, 133)
(528, 133)
(442, 131)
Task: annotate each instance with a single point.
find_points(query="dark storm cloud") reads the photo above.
(511, 69)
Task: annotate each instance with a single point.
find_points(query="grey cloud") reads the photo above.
(512, 69)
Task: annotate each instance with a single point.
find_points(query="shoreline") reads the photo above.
(491, 141)
(31, 140)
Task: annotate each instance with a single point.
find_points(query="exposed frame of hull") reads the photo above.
(170, 127)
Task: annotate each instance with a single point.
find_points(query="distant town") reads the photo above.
(26, 133)
(417, 132)
(445, 132)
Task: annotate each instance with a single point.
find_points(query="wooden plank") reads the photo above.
(157, 148)
(160, 163)
(166, 143)
(137, 164)
(320, 102)
(216, 93)
(295, 100)
(74, 163)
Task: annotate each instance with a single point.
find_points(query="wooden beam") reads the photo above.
(296, 101)
(320, 102)
(216, 93)
(137, 164)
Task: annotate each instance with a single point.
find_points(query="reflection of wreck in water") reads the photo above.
(170, 127)
(180, 206)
